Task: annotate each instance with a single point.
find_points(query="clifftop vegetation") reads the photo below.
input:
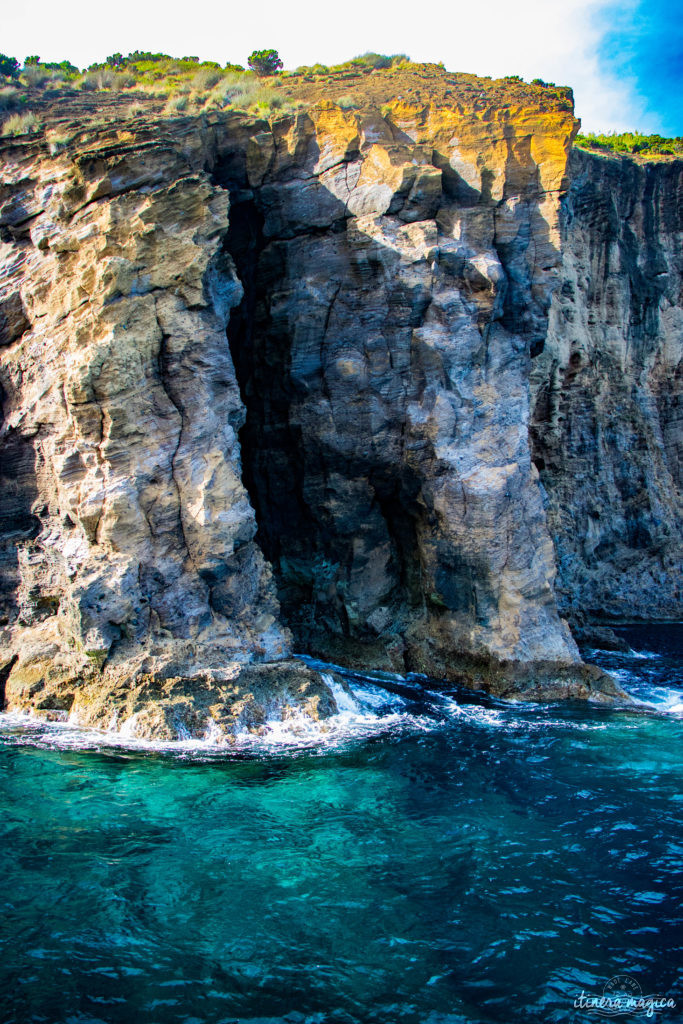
(158, 83)
(161, 84)
(632, 143)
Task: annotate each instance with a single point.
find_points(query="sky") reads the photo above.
(623, 60)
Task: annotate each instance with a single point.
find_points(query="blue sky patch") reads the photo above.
(643, 41)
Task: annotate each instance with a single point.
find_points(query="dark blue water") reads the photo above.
(435, 858)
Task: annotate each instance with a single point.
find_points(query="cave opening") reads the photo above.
(339, 526)
(19, 522)
(272, 448)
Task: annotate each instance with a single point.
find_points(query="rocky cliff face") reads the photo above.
(129, 536)
(607, 421)
(266, 388)
(386, 445)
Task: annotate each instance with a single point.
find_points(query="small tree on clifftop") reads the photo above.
(265, 62)
(9, 66)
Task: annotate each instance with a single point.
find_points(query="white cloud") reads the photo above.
(532, 38)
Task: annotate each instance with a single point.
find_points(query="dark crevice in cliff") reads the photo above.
(276, 465)
(336, 527)
(271, 448)
(4, 676)
(261, 366)
(19, 524)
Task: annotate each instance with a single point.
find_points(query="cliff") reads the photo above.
(265, 387)
(607, 422)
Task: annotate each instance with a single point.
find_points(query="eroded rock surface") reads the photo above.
(607, 424)
(265, 386)
(397, 271)
(120, 420)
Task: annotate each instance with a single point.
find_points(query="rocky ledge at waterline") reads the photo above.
(266, 388)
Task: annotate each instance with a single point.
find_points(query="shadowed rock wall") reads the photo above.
(607, 424)
(394, 285)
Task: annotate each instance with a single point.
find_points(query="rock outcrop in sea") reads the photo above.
(394, 387)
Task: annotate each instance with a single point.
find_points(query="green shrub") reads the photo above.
(9, 66)
(145, 55)
(265, 62)
(372, 60)
(632, 143)
(65, 68)
(347, 102)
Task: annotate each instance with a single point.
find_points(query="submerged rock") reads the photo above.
(215, 706)
(601, 637)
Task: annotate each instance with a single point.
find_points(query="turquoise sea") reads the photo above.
(437, 857)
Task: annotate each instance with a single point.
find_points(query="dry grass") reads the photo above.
(59, 143)
(162, 88)
(176, 105)
(124, 80)
(238, 91)
(361, 85)
(35, 77)
(21, 124)
(96, 80)
(9, 98)
(265, 99)
(206, 79)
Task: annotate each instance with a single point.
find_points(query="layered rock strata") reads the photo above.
(607, 420)
(265, 387)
